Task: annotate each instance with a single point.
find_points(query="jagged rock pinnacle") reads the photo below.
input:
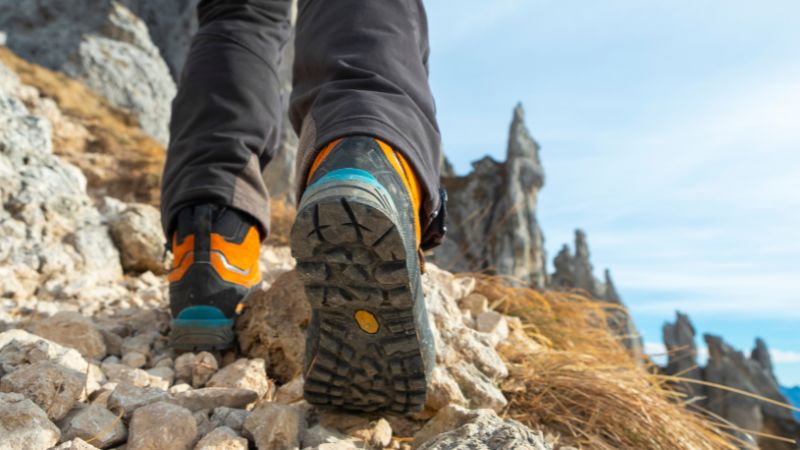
(492, 213)
(611, 291)
(761, 355)
(521, 146)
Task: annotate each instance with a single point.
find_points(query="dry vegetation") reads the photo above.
(117, 158)
(281, 220)
(583, 385)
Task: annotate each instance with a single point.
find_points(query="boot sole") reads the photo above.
(201, 338)
(369, 346)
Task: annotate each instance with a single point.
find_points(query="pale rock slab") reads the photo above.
(127, 398)
(52, 387)
(19, 348)
(196, 369)
(123, 374)
(376, 435)
(24, 426)
(135, 360)
(474, 303)
(75, 444)
(94, 424)
(494, 324)
(162, 425)
(244, 373)
(275, 427)
(443, 390)
(73, 330)
(455, 428)
(138, 235)
(161, 377)
(222, 438)
(290, 392)
(215, 397)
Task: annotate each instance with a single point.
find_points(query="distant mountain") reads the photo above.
(793, 394)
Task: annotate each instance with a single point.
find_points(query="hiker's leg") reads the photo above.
(361, 69)
(227, 113)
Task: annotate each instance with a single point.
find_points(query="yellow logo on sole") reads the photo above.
(367, 321)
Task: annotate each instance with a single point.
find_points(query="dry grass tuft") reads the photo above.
(583, 385)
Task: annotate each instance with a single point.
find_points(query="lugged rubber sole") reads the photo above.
(199, 328)
(194, 339)
(366, 344)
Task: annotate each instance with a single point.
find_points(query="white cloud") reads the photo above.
(703, 205)
(655, 348)
(785, 356)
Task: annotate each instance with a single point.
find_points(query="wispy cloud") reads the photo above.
(669, 135)
(785, 356)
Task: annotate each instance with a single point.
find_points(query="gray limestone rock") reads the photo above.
(75, 444)
(486, 431)
(162, 425)
(127, 399)
(230, 417)
(24, 426)
(222, 438)
(71, 329)
(492, 213)
(54, 243)
(101, 43)
(273, 426)
(19, 349)
(215, 397)
(96, 424)
(52, 387)
(243, 373)
(138, 235)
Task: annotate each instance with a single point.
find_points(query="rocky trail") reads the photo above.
(84, 318)
(525, 359)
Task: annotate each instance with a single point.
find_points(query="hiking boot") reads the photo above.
(215, 267)
(369, 345)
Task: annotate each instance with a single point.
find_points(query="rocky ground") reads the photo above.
(84, 107)
(84, 318)
(95, 375)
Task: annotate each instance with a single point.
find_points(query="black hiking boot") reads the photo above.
(369, 345)
(215, 266)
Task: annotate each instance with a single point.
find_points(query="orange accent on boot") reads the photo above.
(183, 257)
(321, 157)
(403, 168)
(237, 263)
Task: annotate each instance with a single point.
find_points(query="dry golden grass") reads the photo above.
(281, 220)
(584, 386)
(118, 159)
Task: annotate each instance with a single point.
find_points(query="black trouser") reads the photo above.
(360, 69)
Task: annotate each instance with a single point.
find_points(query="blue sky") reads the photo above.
(670, 132)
